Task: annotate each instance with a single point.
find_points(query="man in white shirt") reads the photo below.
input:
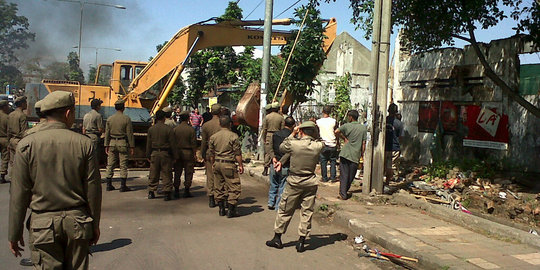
(327, 125)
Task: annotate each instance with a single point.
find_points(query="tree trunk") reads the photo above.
(512, 94)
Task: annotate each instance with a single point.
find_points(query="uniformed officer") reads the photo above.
(93, 124)
(209, 129)
(17, 125)
(160, 151)
(4, 143)
(272, 122)
(186, 144)
(118, 138)
(168, 117)
(301, 185)
(224, 151)
(42, 119)
(57, 178)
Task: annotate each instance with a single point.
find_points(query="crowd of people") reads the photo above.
(55, 171)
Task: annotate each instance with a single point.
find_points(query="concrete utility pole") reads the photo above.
(265, 78)
(374, 166)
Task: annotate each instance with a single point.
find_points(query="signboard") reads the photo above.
(212, 101)
(486, 128)
(431, 112)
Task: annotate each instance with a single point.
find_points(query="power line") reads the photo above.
(254, 9)
(288, 8)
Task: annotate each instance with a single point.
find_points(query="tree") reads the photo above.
(57, 71)
(307, 57)
(92, 75)
(75, 72)
(14, 35)
(455, 19)
(342, 86)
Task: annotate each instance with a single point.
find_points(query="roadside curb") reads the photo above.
(469, 221)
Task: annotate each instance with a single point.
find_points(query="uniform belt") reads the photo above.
(301, 174)
(79, 207)
(225, 161)
(161, 149)
(93, 132)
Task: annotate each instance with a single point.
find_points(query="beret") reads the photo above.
(308, 124)
(56, 100)
(216, 108)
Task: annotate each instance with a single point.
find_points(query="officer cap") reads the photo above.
(216, 108)
(56, 100)
(37, 105)
(268, 107)
(119, 101)
(20, 99)
(308, 124)
(96, 102)
(167, 110)
(275, 105)
(3, 103)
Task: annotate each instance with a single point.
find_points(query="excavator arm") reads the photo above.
(174, 55)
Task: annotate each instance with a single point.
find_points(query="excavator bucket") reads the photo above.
(248, 108)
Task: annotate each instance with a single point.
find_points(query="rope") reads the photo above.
(290, 55)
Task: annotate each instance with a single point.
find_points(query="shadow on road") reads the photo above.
(114, 244)
(244, 210)
(319, 240)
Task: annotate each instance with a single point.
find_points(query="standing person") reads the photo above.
(272, 122)
(207, 116)
(196, 122)
(278, 179)
(224, 150)
(4, 143)
(118, 138)
(17, 125)
(58, 179)
(93, 125)
(176, 117)
(394, 132)
(186, 144)
(160, 151)
(354, 134)
(327, 126)
(168, 117)
(42, 120)
(301, 187)
(208, 130)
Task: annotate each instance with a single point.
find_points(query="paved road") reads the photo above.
(137, 233)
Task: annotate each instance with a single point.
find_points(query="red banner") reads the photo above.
(486, 128)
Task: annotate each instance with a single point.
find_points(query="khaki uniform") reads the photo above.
(224, 146)
(171, 123)
(92, 124)
(209, 129)
(301, 185)
(160, 149)
(272, 122)
(17, 125)
(35, 128)
(58, 179)
(186, 144)
(4, 143)
(118, 137)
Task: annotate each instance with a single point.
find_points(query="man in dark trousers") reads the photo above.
(4, 143)
(161, 152)
(278, 179)
(272, 122)
(354, 136)
(392, 151)
(56, 175)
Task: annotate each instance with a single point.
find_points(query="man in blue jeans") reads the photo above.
(278, 179)
(327, 125)
(354, 134)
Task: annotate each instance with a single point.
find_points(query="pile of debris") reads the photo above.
(466, 192)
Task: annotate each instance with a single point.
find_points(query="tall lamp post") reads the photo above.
(98, 48)
(82, 3)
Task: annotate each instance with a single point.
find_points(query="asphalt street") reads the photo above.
(137, 233)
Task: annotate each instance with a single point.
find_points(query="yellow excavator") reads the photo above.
(130, 80)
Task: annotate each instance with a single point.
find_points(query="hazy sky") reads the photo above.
(137, 29)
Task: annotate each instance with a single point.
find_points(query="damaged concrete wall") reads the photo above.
(456, 75)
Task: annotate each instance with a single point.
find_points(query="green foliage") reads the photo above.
(307, 57)
(232, 12)
(14, 34)
(10, 75)
(486, 168)
(177, 94)
(323, 207)
(92, 75)
(75, 72)
(342, 86)
(57, 71)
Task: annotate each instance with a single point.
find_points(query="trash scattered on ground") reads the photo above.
(374, 253)
(359, 239)
(533, 232)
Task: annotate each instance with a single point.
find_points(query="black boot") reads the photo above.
(300, 245)
(211, 202)
(124, 187)
(3, 179)
(176, 193)
(275, 242)
(231, 211)
(151, 195)
(109, 184)
(222, 210)
(187, 194)
(167, 196)
(265, 171)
